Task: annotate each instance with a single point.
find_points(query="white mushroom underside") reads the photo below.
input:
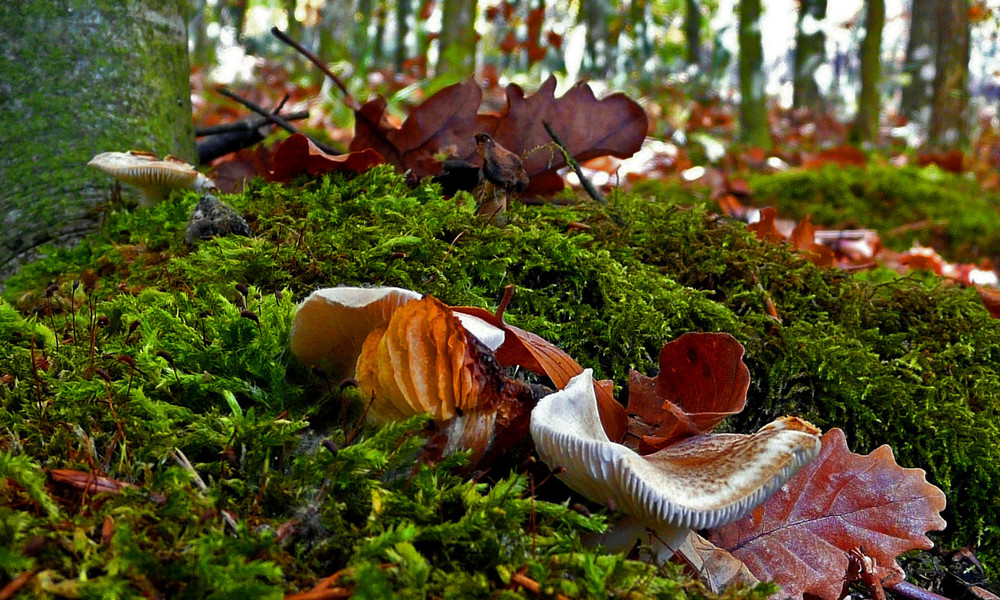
(701, 482)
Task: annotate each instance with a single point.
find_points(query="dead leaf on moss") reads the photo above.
(702, 381)
(804, 240)
(298, 154)
(800, 537)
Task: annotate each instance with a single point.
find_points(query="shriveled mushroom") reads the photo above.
(156, 178)
(701, 482)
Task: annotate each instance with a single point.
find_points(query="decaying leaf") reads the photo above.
(765, 228)
(716, 568)
(803, 239)
(801, 536)
(298, 154)
(991, 299)
(702, 380)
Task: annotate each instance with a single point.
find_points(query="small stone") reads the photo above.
(214, 218)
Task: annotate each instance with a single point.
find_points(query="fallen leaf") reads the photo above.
(800, 537)
(804, 240)
(991, 300)
(842, 156)
(765, 229)
(951, 161)
(298, 154)
(702, 381)
(538, 355)
(718, 569)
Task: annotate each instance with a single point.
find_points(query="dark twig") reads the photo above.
(587, 185)
(351, 101)
(279, 121)
(248, 124)
(908, 590)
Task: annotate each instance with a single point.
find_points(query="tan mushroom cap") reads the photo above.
(155, 177)
(702, 482)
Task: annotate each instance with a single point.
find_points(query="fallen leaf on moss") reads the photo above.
(298, 154)
(991, 300)
(702, 381)
(842, 156)
(800, 537)
(804, 240)
(765, 228)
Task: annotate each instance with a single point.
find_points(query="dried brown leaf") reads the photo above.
(298, 154)
(801, 536)
(702, 380)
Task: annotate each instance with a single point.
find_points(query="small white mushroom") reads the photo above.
(701, 482)
(156, 178)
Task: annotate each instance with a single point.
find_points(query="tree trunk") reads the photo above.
(866, 123)
(82, 77)
(403, 10)
(921, 50)
(458, 39)
(692, 31)
(361, 48)
(753, 102)
(810, 53)
(593, 15)
(948, 127)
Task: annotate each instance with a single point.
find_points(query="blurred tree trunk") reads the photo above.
(810, 53)
(692, 31)
(403, 9)
(458, 39)
(921, 50)
(360, 49)
(593, 15)
(948, 127)
(866, 122)
(378, 44)
(82, 77)
(753, 102)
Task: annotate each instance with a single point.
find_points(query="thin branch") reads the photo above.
(351, 101)
(277, 120)
(199, 483)
(248, 124)
(587, 185)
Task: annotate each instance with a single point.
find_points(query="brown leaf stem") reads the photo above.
(11, 589)
(351, 101)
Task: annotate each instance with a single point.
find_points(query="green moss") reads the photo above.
(908, 362)
(907, 205)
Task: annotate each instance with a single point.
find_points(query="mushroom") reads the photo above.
(701, 482)
(156, 178)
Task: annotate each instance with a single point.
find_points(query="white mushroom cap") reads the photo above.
(155, 177)
(331, 325)
(701, 482)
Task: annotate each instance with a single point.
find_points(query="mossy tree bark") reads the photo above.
(692, 31)
(921, 49)
(810, 53)
(948, 126)
(79, 77)
(753, 102)
(866, 122)
(458, 39)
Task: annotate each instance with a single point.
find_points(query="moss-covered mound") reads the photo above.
(158, 351)
(905, 205)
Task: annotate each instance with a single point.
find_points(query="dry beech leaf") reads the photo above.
(716, 568)
(298, 154)
(538, 355)
(843, 156)
(765, 228)
(991, 299)
(800, 537)
(702, 381)
(804, 240)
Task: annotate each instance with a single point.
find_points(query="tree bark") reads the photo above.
(810, 53)
(80, 77)
(403, 10)
(692, 31)
(458, 39)
(866, 122)
(753, 102)
(948, 127)
(921, 50)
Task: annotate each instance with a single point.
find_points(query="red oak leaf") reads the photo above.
(702, 381)
(800, 537)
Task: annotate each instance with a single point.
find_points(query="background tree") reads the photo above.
(81, 77)
(949, 123)
(458, 38)
(810, 53)
(692, 31)
(753, 103)
(866, 122)
(921, 50)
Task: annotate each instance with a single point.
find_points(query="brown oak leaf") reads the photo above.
(298, 154)
(804, 240)
(702, 381)
(800, 537)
